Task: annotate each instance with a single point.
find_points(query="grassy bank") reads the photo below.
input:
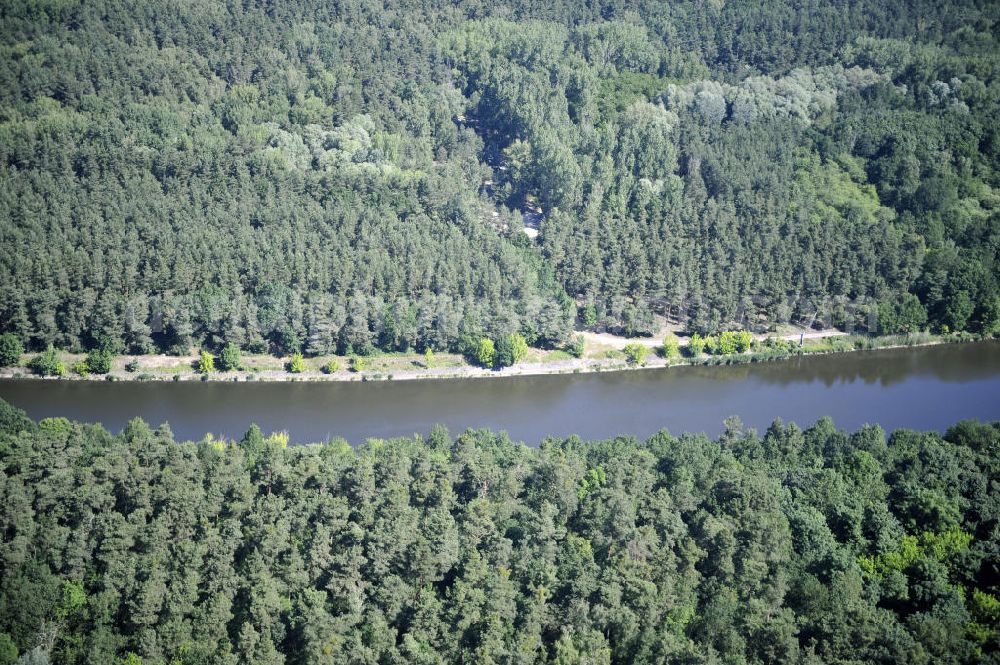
(829, 345)
(411, 366)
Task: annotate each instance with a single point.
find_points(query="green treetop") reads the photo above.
(486, 352)
(206, 363)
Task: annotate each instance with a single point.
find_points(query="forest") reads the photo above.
(347, 177)
(801, 546)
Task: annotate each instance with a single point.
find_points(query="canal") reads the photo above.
(921, 388)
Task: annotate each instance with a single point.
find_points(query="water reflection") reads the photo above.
(886, 367)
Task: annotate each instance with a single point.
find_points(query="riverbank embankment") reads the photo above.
(602, 353)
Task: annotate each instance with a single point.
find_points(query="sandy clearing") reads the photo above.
(619, 342)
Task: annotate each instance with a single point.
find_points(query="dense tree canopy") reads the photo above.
(800, 546)
(317, 176)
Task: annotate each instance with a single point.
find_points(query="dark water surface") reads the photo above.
(924, 388)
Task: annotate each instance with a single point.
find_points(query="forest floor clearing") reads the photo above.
(602, 354)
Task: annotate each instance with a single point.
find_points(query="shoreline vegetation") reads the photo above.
(599, 353)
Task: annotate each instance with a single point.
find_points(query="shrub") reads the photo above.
(711, 345)
(577, 347)
(520, 346)
(331, 367)
(635, 354)
(357, 364)
(99, 361)
(47, 363)
(206, 363)
(727, 344)
(486, 353)
(670, 349)
(231, 358)
(132, 365)
(743, 341)
(11, 350)
(297, 364)
(777, 346)
(696, 346)
(80, 367)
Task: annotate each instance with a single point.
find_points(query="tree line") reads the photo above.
(798, 546)
(347, 177)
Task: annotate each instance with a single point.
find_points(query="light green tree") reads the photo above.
(520, 347)
(73, 599)
(486, 353)
(206, 363)
(743, 341)
(712, 344)
(670, 349)
(8, 650)
(635, 354)
(696, 345)
(727, 343)
(297, 364)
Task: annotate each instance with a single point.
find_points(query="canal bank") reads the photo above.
(927, 387)
(600, 356)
